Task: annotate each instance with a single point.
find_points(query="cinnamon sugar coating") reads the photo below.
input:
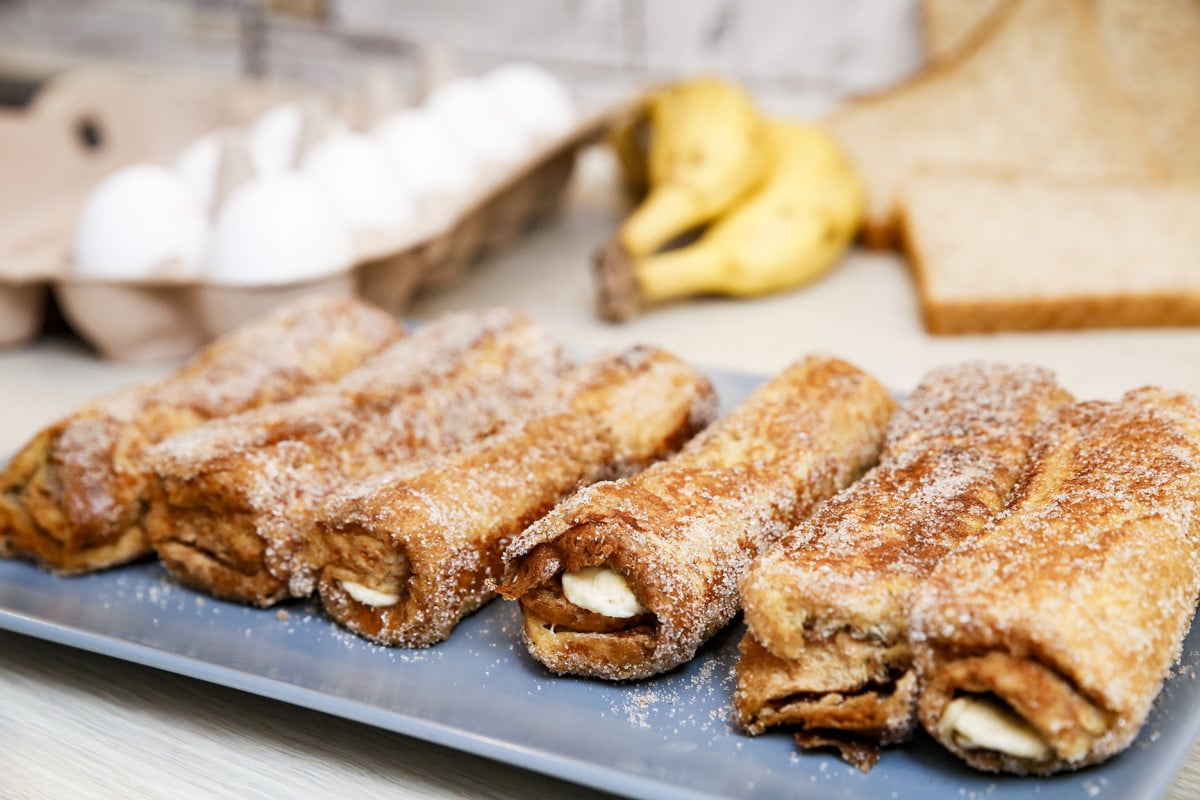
(239, 497)
(431, 535)
(827, 648)
(683, 531)
(74, 498)
(1071, 607)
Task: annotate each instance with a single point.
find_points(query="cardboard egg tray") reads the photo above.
(86, 124)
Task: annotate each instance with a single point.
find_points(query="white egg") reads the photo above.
(425, 158)
(357, 175)
(535, 98)
(274, 139)
(277, 229)
(139, 221)
(478, 123)
(198, 167)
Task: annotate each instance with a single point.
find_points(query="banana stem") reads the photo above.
(681, 273)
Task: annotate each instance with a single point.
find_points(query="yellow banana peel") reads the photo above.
(628, 138)
(793, 228)
(706, 153)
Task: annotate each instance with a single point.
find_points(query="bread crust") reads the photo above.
(442, 527)
(827, 644)
(1071, 607)
(683, 531)
(75, 497)
(238, 499)
(1165, 310)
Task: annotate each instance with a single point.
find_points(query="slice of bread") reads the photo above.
(946, 25)
(1032, 93)
(1152, 48)
(1025, 252)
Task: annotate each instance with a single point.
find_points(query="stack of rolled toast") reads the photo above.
(1011, 569)
(1044, 170)
(1016, 573)
(325, 448)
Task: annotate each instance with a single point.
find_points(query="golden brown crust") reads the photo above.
(829, 605)
(447, 522)
(1072, 606)
(623, 646)
(1163, 310)
(1063, 718)
(843, 685)
(683, 531)
(75, 497)
(199, 568)
(239, 497)
(863, 755)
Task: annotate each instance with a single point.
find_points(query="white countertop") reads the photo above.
(79, 725)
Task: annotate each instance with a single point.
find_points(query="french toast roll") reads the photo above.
(627, 579)
(410, 553)
(827, 646)
(74, 498)
(237, 499)
(1043, 642)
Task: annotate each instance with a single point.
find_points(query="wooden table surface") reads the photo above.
(80, 725)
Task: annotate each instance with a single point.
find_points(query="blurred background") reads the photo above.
(796, 57)
(1021, 102)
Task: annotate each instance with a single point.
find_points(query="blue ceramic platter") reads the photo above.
(481, 692)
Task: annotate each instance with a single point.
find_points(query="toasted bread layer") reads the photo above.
(239, 497)
(1069, 609)
(426, 542)
(75, 497)
(827, 648)
(682, 532)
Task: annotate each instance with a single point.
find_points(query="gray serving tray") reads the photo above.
(480, 692)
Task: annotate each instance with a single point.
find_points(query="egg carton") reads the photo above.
(81, 126)
(150, 119)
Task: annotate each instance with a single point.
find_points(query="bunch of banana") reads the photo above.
(705, 154)
(779, 229)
